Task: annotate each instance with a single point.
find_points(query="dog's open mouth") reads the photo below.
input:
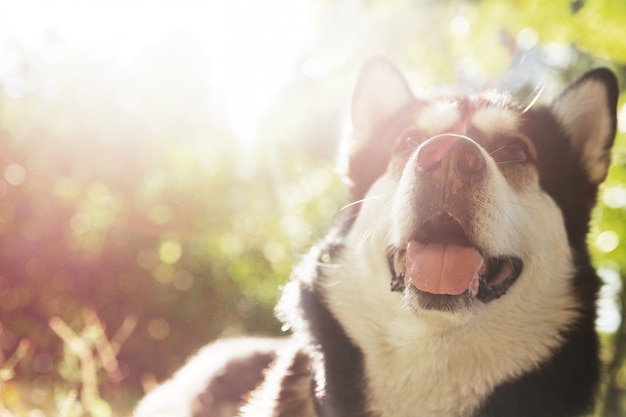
(440, 260)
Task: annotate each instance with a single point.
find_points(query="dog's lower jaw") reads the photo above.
(447, 363)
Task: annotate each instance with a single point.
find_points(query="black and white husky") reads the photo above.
(457, 283)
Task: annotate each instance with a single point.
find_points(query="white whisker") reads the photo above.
(375, 197)
(507, 162)
(523, 205)
(372, 230)
(497, 150)
(537, 92)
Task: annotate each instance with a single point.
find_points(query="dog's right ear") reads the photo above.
(587, 109)
(381, 93)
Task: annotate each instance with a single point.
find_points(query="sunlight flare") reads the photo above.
(250, 47)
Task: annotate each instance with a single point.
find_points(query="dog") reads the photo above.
(456, 283)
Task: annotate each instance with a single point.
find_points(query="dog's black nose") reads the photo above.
(466, 157)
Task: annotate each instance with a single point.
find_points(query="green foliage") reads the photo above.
(594, 25)
(128, 189)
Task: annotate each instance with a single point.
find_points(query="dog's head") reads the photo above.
(473, 198)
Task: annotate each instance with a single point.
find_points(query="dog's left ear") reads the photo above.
(381, 91)
(587, 110)
(380, 95)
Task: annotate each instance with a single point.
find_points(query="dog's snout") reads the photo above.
(466, 156)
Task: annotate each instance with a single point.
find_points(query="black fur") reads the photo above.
(344, 389)
(342, 393)
(233, 384)
(564, 386)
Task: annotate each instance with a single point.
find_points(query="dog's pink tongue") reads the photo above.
(439, 268)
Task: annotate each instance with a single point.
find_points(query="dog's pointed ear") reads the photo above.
(381, 91)
(380, 96)
(587, 110)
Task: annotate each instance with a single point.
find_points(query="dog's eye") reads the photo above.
(514, 151)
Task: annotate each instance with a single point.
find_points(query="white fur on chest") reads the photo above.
(439, 364)
(412, 370)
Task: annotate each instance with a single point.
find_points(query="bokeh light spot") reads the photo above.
(620, 378)
(100, 408)
(14, 174)
(607, 241)
(527, 38)
(609, 316)
(230, 245)
(274, 252)
(98, 193)
(43, 363)
(460, 27)
(170, 252)
(163, 273)
(614, 197)
(158, 329)
(182, 280)
(160, 214)
(41, 390)
(621, 118)
(67, 187)
(80, 223)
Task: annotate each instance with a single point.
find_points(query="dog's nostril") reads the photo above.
(469, 159)
(432, 152)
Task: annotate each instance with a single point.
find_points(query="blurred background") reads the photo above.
(164, 164)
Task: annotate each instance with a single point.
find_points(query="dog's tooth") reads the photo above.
(473, 288)
(482, 271)
(399, 261)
